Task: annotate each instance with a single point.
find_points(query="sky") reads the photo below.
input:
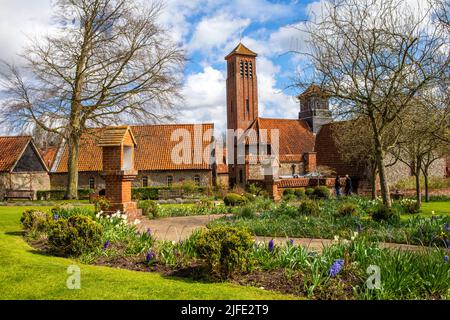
(208, 31)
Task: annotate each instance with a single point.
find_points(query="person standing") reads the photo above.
(348, 185)
(337, 186)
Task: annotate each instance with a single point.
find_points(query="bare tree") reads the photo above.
(110, 61)
(373, 58)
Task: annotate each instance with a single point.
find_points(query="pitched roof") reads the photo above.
(11, 150)
(48, 154)
(327, 152)
(295, 137)
(115, 136)
(153, 148)
(242, 50)
(312, 89)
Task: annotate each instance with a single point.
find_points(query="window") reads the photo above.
(247, 106)
(241, 176)
(145, 181)
(197, 179)
(246, 69)
(241, 68)
(250, 67)
(127, 158)
(169, 181)
(91, 183)
(293, 169)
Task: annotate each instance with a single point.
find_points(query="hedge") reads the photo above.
(151, 193)
(59, 194)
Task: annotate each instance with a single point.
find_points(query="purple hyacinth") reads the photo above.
(149, 231)
(446, 258)
(336, 267)
(55, 217)
(271, 245)
(447, 227)
(291, 242)
(149, 257)
(106, 245)
(180, 242)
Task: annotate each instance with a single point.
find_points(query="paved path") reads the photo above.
(179, 228)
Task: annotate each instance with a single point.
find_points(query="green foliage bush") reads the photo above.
(309, 191)
(75, 235)
(249, 197)
(288, 192)
(225, 249)
(59, 194)
(347, 209)
(101, 204)
(384, 213)
(234, 199)
(410, 206)
(64, 210)
(321, 192)
(300, 193)
(34, 220)
(149, 208)
(247, 212)
(309, 208)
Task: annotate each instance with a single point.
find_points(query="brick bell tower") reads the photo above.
(242, 102)
(118, 144)
(242, 90)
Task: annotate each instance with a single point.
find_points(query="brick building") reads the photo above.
(153, 157)
(22, 169)
(305, 144)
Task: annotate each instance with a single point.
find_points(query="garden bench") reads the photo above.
(19, 194)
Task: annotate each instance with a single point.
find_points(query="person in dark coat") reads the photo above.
(337, 186)
(348, 185)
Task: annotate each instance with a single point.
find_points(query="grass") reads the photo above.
(439, 208)
(27, 274)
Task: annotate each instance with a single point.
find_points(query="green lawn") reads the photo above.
(26, 274)
(439, 208)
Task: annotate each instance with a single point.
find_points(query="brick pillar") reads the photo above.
(310, 162)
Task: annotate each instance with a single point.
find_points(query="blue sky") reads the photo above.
(207, 30)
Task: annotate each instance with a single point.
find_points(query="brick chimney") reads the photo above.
(118, 145)
(310, 162)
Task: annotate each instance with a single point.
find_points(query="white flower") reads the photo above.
(355, 234)
(432, 212)
(345, 241)
(124, 217)
(136, 222)
(336, 238)
(173, 242)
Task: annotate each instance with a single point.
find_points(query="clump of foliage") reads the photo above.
(384, 213)
(309, 208)
(309, 191)
(234, 199)
(246, 212)
(101, 204)
(149, 208)
(225, 249)
(347, 209)
(249, 197)
(34, 220)
(75, 235)
(410, 205)
(321, 192)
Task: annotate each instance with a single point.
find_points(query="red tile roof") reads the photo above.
(241, 49)
(153, 150)
(11, 148)
(48, 154)
(328, 155)
(295, 137)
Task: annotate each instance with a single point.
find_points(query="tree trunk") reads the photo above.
(72, 183)
(418, 193)
(382, 172)
(374, 181)
(425, 176)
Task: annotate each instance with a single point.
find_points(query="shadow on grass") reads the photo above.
(15, 233)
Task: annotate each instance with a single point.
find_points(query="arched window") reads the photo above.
(145, 181)
(169, 181)
(91, 183)
(197, 179)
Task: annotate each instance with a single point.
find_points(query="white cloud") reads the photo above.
(21, 20)
(215, 32)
